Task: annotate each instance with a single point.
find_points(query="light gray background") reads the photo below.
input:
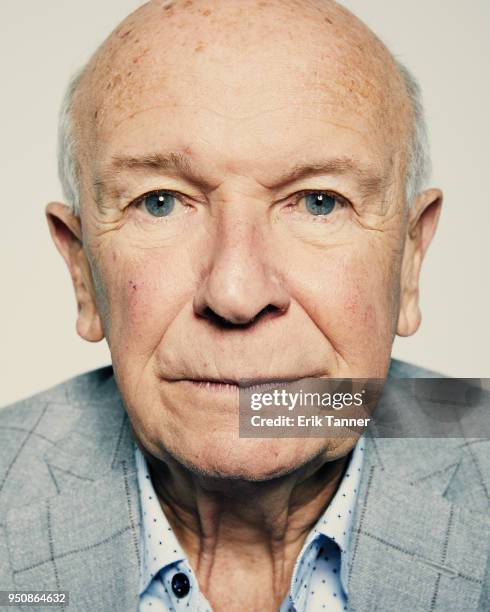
(445, 42)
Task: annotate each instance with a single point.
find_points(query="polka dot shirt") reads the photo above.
(167, 583)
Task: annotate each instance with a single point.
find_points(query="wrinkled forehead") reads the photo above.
(270, 68)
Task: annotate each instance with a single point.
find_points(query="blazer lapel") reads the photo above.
(411, 547)
(414, 545)
(85, 539)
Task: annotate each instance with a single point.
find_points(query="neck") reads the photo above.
(240, 529)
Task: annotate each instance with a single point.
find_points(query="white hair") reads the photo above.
(68, 170)
(418, 163)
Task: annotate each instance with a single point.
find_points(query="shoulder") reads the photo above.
(33, 427)
(402, 369)
(436, 431)
(50, 412)
(70, 393)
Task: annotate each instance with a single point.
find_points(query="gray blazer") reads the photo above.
(70, 518)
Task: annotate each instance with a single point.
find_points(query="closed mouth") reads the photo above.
(228, 384)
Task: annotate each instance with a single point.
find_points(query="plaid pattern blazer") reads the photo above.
(70, 518)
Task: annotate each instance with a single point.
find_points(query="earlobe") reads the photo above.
(409, 317)
(66, 232)
(422, 223)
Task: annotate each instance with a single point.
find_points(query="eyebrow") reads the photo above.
(154, 162)
(369, 180)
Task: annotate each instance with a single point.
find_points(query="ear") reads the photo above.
(423, 217)
(66, 232)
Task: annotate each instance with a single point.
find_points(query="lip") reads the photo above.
(232, 384)
(215, 386)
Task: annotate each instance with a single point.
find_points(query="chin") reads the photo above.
(252, 460)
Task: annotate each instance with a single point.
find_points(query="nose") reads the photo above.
(240, 283)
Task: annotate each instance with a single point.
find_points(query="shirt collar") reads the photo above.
(160, 546)
(335, 523)
(162, 549)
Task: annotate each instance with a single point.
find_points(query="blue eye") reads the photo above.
(320, 203)
(159, 204)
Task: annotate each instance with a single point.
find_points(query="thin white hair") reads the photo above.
(418, 168)
(419, 164)
(68, 167)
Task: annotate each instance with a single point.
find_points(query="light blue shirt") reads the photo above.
(316, 583)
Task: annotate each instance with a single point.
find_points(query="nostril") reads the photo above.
(214, 317)
(269, 309)
(231, 322)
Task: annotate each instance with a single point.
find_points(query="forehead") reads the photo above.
(257, 80)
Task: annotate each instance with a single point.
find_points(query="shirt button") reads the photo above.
(180, 585)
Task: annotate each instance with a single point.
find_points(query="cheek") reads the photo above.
(360, 299)
(351, 302)
(362, 328)
(142, 301)
(365, 333)
(356, 303)
(359, 316)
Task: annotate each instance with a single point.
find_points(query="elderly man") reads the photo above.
(245, 188)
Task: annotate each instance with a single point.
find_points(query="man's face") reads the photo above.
(243, 216)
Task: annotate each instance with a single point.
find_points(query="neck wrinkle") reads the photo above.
(261, 525)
